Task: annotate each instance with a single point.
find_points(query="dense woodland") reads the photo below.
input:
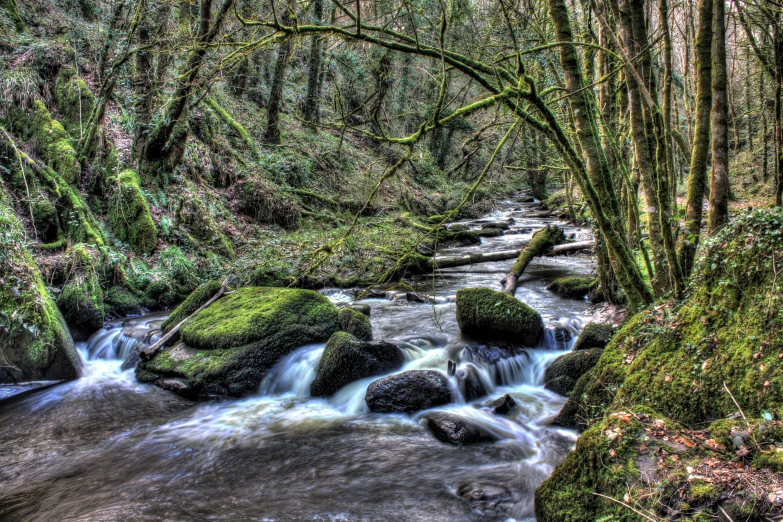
(151, 148)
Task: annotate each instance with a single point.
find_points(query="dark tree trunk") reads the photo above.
(310, 110)
(272, 134)
(719, 186)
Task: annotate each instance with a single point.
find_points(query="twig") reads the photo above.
(626, 506)
(736, 404)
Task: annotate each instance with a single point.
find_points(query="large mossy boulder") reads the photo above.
(228, 347)
(129, 214)
(676, 357)
(483, 313)
(408, 392)
(34, 341)
(347, 359)
(573, 287)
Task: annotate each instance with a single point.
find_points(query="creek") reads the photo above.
(105, 448)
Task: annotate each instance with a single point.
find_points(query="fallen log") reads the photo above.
(147, 353)
(473, 259)
(541, 241)
(567, 248)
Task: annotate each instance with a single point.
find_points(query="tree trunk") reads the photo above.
(310, 111)
(272, 134)
(719, 186)
(541, 241)
(697, 179)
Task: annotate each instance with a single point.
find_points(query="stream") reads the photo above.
(107, 448)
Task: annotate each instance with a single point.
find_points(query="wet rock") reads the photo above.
(562, 385)
(470, 384)
(178, 386)
(347, 359)
(355, 323)
(594, 335)
(573, 287)
(571, 365)
(489, 232)
(487, 314)
(453, 429)
(236, 340)
(458, 227)
(413, 297)
(502, 225)
(362, 308)
(503, 405)
(562, 334)
(408, 392)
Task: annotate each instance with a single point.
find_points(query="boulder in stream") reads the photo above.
(232, 343)
(355, 323)
(455, 429)
(503, 405)
(470, 384)
(347, 359)
(594, 335)
(483, 313)
(562, 374)
(408, 392)
(573, 287)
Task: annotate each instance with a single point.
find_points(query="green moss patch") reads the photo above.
(573, 287)
(54, 143)
(487, 314)
(129, 214)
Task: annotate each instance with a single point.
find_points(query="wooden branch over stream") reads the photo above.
(542, 240)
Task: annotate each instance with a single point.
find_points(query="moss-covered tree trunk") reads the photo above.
(310, 109)
(542, 241)
(719, 185)
(272, 134)
(697, 179)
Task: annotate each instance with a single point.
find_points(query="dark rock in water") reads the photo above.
(470, 385)
(492, 353)
(503, 405)
(562, 385)
(573, 287)
(355, 323)
(347, 359)
(487, 314)
(490, 232)
(175, 385)
(572, 365)
(413, 297)
(362, 308)
(502, 225)
(458, 227)
(425, 248)
(452, 368)
(484, 497)
(374, 293)
(236, 340)
(562, 334)
(594, 335)
(454, 429)
(408, 392)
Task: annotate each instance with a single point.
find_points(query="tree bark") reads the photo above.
(719, 186)
(697, 178)
(272, 134)
(310, 109)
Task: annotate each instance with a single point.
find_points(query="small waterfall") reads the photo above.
(116, 340)
(294, 373)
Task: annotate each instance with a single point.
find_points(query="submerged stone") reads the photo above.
(347, 359)
(408, 392)
(454, 429)
(470, 384)
(233, 343)
(487, 314)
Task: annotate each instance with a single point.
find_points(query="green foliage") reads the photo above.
(54, 143)
(81, 299)
(74, 100)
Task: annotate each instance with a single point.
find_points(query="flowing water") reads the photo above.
(107, 448)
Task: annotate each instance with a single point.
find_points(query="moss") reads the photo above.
(55, 144)
(199, 219)
(81, 299)
(594, 335)
(34, 342)
(195, 300)
(347, 359)
(265, 204)
(121, 302)
(129, 214)
(232, 343)
(571, 366)
(573, 287)
(356, 324)
(701, 492)
(74, 101)
(488, 314)
(13, 12)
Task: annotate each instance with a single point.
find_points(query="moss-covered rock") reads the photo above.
(347, 359)
(230, 345)
(195, 300)
(81, 299)
(266, 204)
(54, 143)
(594, 335)
(34, 342)
(564, 371)
(356, 323)
(487, 314)
(74, 101)
(573, 287)
(198, 218)
(129, 214)
(121, 301)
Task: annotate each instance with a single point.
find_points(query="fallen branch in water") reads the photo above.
(541, 241)
(147, 353)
